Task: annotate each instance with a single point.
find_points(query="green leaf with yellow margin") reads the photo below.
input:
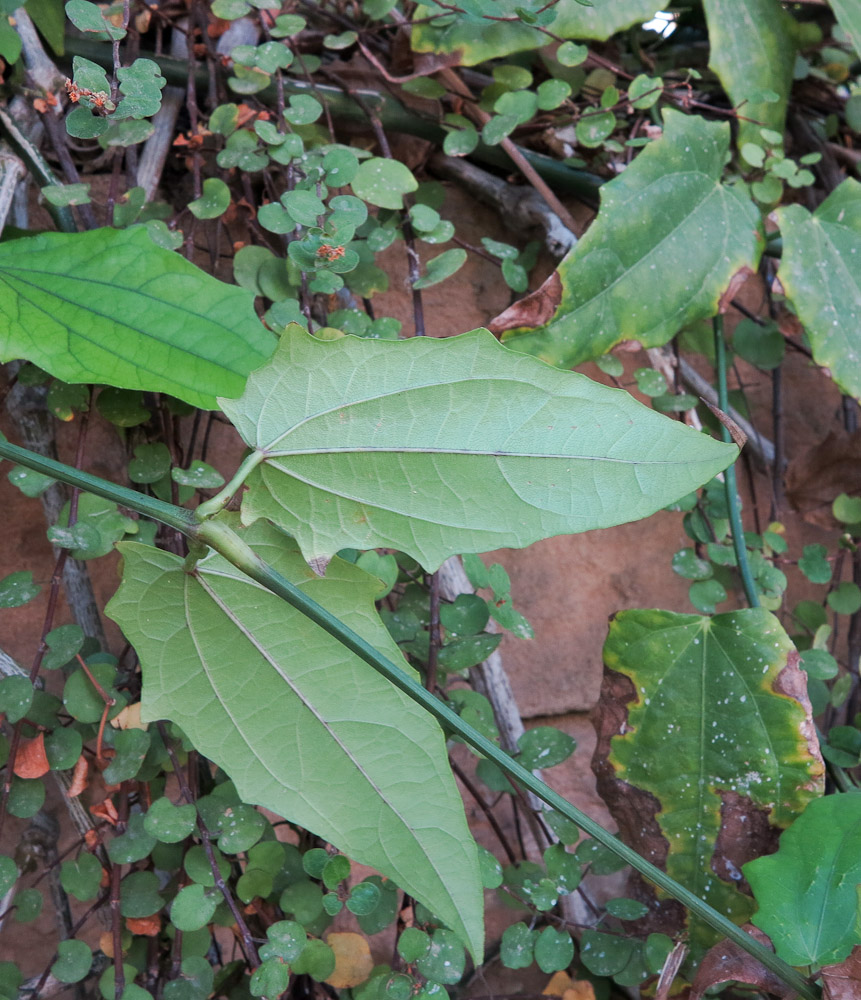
(667, 241)
(436, 447)
(757, 36)
(717, 729)
(109, 306)
(481, 40)
(820, 271)
(302, 725)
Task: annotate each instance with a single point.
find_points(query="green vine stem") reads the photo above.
(220, 537)
(730, 485)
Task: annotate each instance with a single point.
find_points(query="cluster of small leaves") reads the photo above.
(819, 621)
(710, 563)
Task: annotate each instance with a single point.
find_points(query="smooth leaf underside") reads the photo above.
(302, 725)
(667, 241)
(436, 447)
(807, 891)
(481, 40)
(755, 35)
(820, 271)
(109, 306)
(739, 746)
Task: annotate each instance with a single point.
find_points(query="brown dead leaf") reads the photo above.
(129, 718)
(736, 433)
(105, 810)
(843, 981)
(562, 985)
(147, 926)
(106, 943)
(736, 282)
(532, 310)
(79, 777)
(353, 962)
(727, 960)
(816, 476)
(32, 761)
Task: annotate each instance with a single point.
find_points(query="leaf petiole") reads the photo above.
(217, 503)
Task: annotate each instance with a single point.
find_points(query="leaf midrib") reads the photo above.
(146, 336)
(715, 190)
(249, 636)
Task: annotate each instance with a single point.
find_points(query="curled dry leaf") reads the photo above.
(532, 310)
(843, 981)
(816, 476)
(105, 810)
(737, 434)
(353, 962)
(32, 761)
(727, 961)
(147, 926)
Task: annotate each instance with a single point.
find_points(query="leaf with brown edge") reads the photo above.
(728, 961)
(32, 761)
(535, 309)
(702, 792)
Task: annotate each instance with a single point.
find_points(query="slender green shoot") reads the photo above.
(736, 527)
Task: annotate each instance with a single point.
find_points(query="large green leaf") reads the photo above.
(302, 725)
(110, 306)
(441, 446)
(667, 241)
(480, 40)
(807, 891)
(752, 50)
(714, 732)
(849, 15)
(821, 273)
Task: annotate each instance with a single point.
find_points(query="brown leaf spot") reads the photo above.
(745, 834)
(532, 310)
(727, 960)
(32, 761)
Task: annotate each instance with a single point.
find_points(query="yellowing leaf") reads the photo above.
(353, 962)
